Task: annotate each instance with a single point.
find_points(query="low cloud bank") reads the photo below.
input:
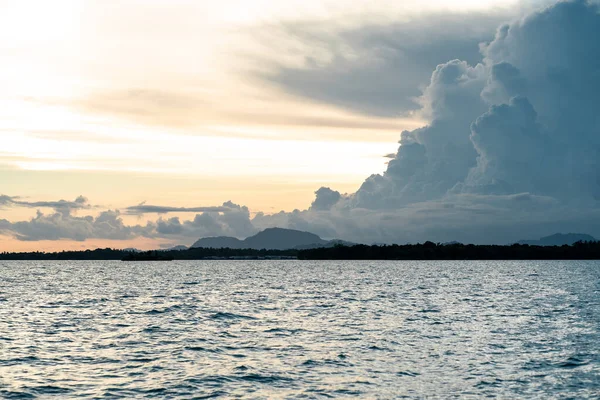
(61, 206)
(143, 208)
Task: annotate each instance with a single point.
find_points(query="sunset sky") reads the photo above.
(193, 104)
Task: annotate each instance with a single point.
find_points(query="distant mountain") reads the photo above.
(218, 242)
(270, 239)
(176, 248)
(282, 239)
(559, 239)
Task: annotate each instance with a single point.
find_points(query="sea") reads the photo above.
(300, 329)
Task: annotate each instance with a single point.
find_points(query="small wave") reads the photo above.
(275, 330)
(408, 373)
(227, 315)
(329, 361)
(210, 380)
(203, 349)
(55, 304)
(142, 360)
(348, 392)
(320, 392)
(50, 389)
(495, 383)
(212, 395)
(534, 365)
(153, 391)
(20, 360)
(377, 348)
(264, 378)
(6, 394)
(226, 335)
(573, 362)
(349, 338)
(283, 330)
(151, 329)
(155, 311)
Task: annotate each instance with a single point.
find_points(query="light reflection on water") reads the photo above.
(272, 329)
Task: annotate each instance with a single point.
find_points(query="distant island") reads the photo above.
(270, 239)
(559, 239)
(582, 250)
(285, 244)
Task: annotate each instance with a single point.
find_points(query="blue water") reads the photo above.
(296, 329)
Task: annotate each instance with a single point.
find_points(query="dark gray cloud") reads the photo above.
(377, 69)
(513, 153)
(326, 198)
(550, 59)
(433, 159)
(228, 220)
(58, 226)
(171, 226)
(471, 218)
(62, 206)
(149, 209)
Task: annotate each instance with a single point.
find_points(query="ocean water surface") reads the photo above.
(300, 329)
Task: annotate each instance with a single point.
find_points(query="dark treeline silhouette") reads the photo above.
(457, 251)
(98, 254)
(115, 254)
(425, 251)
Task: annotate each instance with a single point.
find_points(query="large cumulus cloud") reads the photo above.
(432, 159)
(512, 146)
(552, 59)
(523, 120)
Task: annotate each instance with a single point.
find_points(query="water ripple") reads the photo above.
(296, 329)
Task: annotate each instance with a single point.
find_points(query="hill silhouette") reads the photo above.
(270, 239)
(218, 242)
(559, 239)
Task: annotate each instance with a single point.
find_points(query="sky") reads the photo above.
(152, 123)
